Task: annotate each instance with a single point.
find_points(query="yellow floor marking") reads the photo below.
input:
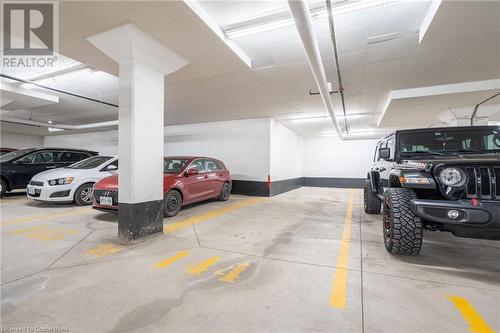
(235, 272)
(476, 323)
(203, 266)
(339, 285)
(172, 259)
(44, 232)
(25, 230)
(171, 227)
(43, 216)
(54, 234)
(103, 250)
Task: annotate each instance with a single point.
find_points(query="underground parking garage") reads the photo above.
(249, 166)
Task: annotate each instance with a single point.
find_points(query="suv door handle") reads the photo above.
(206, 177)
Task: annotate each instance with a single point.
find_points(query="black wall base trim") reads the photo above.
(334, 182)
(261, 189)
(139, 220)
(249, 187)
(282, 186)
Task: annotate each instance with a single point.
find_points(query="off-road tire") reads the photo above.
(83, 195)
(172, 203)
(402, 229)
(224, 192)
(372, 202)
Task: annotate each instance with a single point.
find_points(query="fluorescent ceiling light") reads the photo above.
(53, 129)
(58, 77)
(275, 21)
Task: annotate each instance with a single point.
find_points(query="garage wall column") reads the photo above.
(143, 63)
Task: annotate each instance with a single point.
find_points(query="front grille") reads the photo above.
(60, 194)
(106, 193)
(35, 183)
(482, 182)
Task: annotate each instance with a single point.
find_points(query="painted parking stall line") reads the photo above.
(476, 323)
(172, 227)
(339, 285)
(203, 266)
(235, 273)
(172, 259)
(103, 250)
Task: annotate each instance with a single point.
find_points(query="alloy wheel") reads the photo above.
(86, 194)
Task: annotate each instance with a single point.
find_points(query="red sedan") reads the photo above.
(186, 180)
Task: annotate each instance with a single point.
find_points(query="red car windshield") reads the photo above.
(173, 165)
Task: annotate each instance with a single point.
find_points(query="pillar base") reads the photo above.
(138, 220)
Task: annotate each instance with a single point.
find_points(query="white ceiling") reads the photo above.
(380, 51)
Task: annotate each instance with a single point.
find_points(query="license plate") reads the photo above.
(31, 190)
(106, 201)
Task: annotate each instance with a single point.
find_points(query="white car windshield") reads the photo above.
(91, 162)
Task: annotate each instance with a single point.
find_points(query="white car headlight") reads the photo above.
(452, 177)
(61, 181)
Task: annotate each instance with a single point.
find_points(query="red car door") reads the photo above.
(197, 186)
(216, 176)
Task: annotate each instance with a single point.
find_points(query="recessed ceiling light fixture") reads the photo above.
(58, 77)
(282, 19)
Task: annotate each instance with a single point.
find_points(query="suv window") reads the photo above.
(212, 165)
(39, 157)
(68, 157)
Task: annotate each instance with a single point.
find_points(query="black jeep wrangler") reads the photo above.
(438, 179)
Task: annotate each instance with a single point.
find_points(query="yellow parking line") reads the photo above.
(203, 266)
(339, 285)
(172, 259)
(171, 227)
(103, 250)
(43, 216)
(52, 234)
(476, 323)
(235, 272)
(25, 230)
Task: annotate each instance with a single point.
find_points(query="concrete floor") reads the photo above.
(307, 260)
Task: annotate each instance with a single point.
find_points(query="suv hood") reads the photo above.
(458, 159)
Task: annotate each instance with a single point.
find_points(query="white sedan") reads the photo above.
(73, 183)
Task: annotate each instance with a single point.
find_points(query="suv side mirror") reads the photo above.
(384, 153)
(191, 172)
(111, 167)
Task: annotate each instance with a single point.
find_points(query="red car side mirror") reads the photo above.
(191, 172)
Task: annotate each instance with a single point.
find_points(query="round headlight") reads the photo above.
(61, 181)
(52, 182)
(451, 177)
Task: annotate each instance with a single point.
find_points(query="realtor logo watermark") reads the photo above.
(30, 37)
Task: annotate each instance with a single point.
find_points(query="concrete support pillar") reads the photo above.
(143, 63)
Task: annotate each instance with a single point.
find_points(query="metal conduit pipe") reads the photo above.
(303, 22)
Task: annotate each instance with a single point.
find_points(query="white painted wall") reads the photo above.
(330, 157)
(105, 143)
(287, 153)
(251, 149)
(243, 145)
(12, 140)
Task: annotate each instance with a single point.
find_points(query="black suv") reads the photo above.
(18, 167)
(438, 179)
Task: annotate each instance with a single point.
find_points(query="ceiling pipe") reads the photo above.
(336, 56)
(60, 126)
(303, 23)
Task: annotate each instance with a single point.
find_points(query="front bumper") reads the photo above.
(48, 193)
(478, 221)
